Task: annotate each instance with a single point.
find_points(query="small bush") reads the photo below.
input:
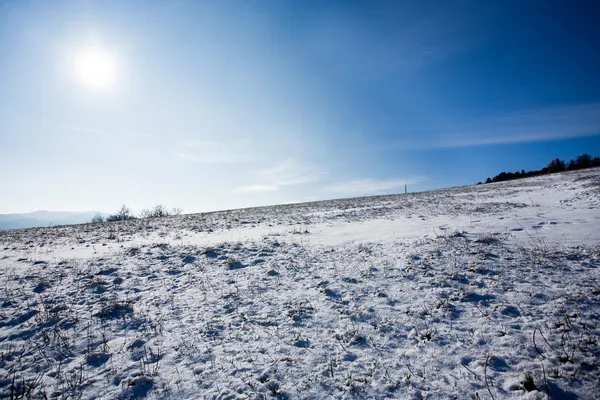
(176, 211)
(124, 214)
(97, 218)
(159, 211)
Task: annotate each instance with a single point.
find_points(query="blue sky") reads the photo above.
(224, 104)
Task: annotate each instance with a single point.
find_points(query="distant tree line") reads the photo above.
(556, 165)
(125, 214)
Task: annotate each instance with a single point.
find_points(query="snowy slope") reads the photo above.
(481, 292)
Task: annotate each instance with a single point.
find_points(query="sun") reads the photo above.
(95, 68)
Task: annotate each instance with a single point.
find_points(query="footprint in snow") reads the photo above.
(511, 311)
(478, 298)
(499, 364)
(235, 265)
(97, 359)
(108, 271)
(141, 386)
(189, 260)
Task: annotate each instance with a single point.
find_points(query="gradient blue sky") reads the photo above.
(223, 104)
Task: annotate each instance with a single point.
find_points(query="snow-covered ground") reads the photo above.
(482, 292)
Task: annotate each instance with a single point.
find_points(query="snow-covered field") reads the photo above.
(481, 292)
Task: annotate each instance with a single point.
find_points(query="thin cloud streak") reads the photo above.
(211, 158)
(210, 152)
(291, 172)
(104, 132)
(80, 129)
(523, 127)
(255, 188)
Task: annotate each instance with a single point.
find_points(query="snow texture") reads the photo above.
(482, 292)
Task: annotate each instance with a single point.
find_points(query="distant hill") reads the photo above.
(44, 219)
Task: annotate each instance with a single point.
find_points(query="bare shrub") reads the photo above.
(97, 218)
(159, 211)
(124, 214)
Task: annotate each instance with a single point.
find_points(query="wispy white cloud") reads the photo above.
(188, 157)
(527, 126)
(255, 188)
(142, 135)
(371, 186)
(103, 131)
(212, 152)
(80, 129)
(291, 172)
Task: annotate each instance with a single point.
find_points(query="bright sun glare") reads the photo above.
(95, 68)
